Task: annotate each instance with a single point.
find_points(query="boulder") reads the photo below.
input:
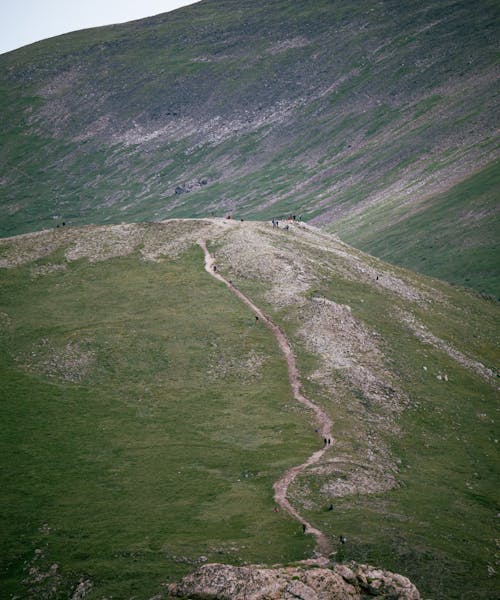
(340, 582)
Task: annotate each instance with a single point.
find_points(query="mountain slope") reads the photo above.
(146, 414)
(354, 114)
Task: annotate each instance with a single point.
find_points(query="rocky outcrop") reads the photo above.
(341, 582)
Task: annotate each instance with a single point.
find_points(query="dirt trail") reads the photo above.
(324, 423)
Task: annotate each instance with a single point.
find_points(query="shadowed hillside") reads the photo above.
(146, 413)
(376, 120)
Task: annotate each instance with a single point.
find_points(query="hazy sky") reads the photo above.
(26, 21)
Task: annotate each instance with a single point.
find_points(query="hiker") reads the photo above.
(273, 222)
(215, 268)
(276, 509)
(326, 441)
(303, 528)
(330, 507)
(256, 318)
(342, 539)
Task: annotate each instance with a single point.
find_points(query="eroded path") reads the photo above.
(324, 423)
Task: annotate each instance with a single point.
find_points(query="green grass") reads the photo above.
(162, 450)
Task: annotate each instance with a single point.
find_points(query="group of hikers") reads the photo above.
(276, 223)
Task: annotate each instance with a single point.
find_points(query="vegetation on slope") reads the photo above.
(146, 415)
(341, 111)
(453, 237)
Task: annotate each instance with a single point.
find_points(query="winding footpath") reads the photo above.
(324, 423)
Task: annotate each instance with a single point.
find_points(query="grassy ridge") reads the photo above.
(144, 419)
(439, 525)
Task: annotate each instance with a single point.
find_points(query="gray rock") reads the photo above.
(342, 582)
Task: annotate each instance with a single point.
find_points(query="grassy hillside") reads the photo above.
(144, 420)
(453, 236)
(417, 432)
(357, 115)
(146, 415)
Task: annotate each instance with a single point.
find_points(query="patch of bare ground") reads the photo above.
(98, 243)
(427, 337)
(23, 249)
(70, 362)
(284, 45)
(253, 252)
(345, 344)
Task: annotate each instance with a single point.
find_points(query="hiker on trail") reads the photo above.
(326, 441)
(330, 507)
(303, 528)
(342, 539)
(256, 318)
(215, 268)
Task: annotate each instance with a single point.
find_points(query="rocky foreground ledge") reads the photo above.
(341, 582)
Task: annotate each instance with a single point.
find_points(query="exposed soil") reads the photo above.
(324, 423)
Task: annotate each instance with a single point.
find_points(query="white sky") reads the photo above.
(26, 21)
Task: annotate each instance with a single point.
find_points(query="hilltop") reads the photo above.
(147, 414)
(376, 121)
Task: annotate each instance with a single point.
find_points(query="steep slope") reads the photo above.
(357, 115)
(147, 414)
